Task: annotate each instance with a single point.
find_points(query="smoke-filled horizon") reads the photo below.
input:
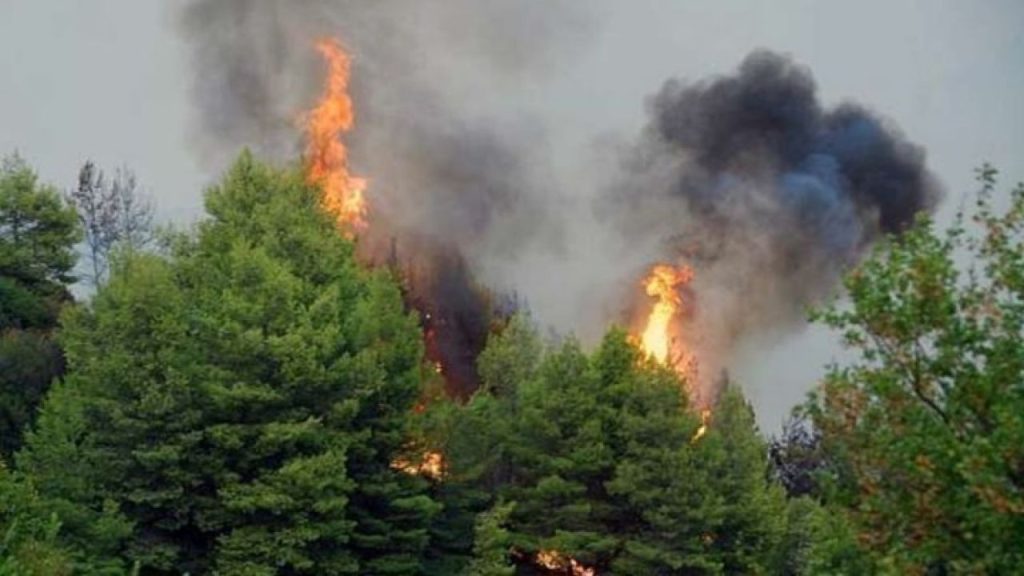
(746, 177)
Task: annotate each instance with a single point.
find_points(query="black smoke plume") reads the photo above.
(766, 191)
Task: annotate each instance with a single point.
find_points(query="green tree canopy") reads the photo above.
(927, 425)
(38, 233)
(239, 402)
(595, 456)
(28, 534)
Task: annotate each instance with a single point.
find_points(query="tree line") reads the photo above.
(244, 397)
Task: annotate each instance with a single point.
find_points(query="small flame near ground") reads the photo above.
(557, 562)
(430, 464)
(327, 156)
(705, 419)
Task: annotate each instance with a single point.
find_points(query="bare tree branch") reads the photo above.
(113, 213)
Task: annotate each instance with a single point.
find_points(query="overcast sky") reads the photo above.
(107, 80)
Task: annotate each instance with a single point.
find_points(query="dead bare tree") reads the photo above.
(113, 214)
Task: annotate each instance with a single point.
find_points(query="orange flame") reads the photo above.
(326, 155)
(659, 337)
(555, 561)
(705, 418)
(663, 283)
(431, 465)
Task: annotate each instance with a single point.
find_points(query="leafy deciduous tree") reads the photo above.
(927, 424)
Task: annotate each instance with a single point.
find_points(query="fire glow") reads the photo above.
(658, 340)
(343, 195)
(663, 284)
(430, 464)
(327, 156)
(555, 561)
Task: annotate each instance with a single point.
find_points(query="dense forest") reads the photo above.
(246, 397)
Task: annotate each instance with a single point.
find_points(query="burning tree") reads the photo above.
(326, 154)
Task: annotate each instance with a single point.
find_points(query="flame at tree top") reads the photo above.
(326, 155)
(660, 338)
(663, 284)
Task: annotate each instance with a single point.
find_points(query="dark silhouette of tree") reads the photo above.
(112, 213)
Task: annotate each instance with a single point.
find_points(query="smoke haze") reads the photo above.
(747, 177)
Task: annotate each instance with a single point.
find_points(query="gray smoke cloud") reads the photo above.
(459, 177)
(765, 192)
(748, 178)
(445, 152)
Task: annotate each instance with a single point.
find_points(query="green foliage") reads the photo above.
(510, 359)
(68, 472)
(820, 541)
(239, 403)
(244, 404)
(597, 452)
(492, 543)
(927, 424)
(752, 513)
(38, 233)
(29, 361)
(37, 237)
(28, 535)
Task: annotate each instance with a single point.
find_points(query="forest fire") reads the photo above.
(663, 284)
(436, 281)
(705, 419)
(661, 335)
(327, 156)
(431, 465)
(558, 563)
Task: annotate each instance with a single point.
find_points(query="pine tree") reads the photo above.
(242, 399)
(750, 523)
(492, 543)
(598, 453)
(38, 233)
(28, 535)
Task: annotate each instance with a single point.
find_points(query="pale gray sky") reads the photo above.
(107, 80)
